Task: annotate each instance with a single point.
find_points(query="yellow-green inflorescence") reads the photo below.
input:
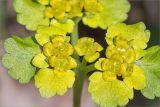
(92, 12)
(55, 75)
(126, 44)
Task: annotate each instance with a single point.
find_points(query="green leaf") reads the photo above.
(109, 93)
(30, 14)
(114, 11)
(19, 53)
(151, 65)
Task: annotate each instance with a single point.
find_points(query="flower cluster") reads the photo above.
(92, 11)
(127, 65)
(126, 45)
(56, 13)
(55, 63)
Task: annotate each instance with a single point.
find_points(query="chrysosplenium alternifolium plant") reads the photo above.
(63, 59)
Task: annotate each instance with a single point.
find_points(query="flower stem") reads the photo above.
(90, 68)
(78, 85)
(79, 70)
(75, 36)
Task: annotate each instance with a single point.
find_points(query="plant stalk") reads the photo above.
(74, 38)
(79, 70)
(78, 86)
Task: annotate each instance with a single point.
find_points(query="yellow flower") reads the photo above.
(58, 77)
(58, 47)
(131, 74)
(126, 45)
(121, 48)
(56, 54)
(56, 10)
(62, 9)
(120, 63)
(88, 48)
(92, 6)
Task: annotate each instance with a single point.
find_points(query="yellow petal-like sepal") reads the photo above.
(137, 79)
(49, 12)
(39, 61)
(47, 49)
(98, 64)
(62, 62)
(92, 58)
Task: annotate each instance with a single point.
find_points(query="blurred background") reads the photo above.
(13, 94)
